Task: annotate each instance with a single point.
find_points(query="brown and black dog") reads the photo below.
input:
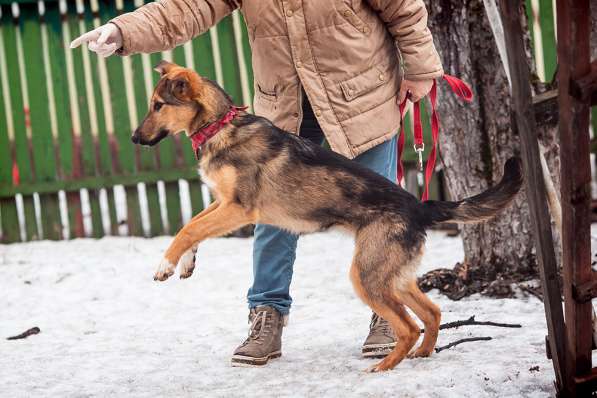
(262, 174)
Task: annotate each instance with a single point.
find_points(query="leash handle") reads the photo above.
(462, 90)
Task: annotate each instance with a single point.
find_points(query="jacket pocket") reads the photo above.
(267, 95)
(365, 82)
(350, 15)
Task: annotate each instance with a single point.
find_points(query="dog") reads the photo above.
(259, 173)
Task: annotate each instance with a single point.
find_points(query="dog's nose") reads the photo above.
(135, 137)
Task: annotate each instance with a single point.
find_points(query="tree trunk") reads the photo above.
(476, 139)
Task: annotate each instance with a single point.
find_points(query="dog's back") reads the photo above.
(284, 173)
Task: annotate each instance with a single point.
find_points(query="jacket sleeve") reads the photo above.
(165, 24)
(407, 22)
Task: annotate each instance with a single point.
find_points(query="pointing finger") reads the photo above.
(84, 38)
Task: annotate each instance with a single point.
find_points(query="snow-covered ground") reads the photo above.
(107, 329)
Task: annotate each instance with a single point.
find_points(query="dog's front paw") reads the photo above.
(165, 270)
(187, 264)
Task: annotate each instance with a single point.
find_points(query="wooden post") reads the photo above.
(574, 24)
(522, 104)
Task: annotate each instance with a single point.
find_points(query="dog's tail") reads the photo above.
(480, 207)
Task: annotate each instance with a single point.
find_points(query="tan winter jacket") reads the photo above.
(343, 52)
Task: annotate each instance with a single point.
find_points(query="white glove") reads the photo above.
(104, 40)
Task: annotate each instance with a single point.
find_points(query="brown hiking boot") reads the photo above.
(265, 338)
(381, 340)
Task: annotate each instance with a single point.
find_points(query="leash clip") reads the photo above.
(419, 148)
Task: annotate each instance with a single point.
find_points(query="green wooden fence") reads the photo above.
(66, 118)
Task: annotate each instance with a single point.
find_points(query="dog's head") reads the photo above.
(181, 101)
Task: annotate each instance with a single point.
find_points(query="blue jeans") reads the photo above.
(274, 250)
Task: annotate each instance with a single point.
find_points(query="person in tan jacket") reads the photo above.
(331, 69)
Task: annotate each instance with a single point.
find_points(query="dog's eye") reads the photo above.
(157, 106)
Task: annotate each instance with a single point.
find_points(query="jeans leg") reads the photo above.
(274, 252)
(381, 159)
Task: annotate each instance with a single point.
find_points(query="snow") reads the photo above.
(107, 329)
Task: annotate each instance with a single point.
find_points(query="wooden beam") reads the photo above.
(584, 87)
(574, 55)
(586, 291)
(535, 187)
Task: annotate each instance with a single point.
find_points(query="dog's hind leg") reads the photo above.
(406, 330)
(372, 274)
(427, 312)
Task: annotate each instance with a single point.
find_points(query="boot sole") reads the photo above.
(245, 361)
(377, 350)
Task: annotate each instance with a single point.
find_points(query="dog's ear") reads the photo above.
(180, 88)
(163, 67)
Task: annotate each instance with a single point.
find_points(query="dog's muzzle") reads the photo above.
(136, 137)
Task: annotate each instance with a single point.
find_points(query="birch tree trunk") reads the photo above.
(476, 139)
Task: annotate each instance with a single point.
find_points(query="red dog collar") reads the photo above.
(202, 136)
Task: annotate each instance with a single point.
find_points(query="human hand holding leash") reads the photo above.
(104, 41)
(414, 90)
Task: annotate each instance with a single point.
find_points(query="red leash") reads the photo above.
(462, 90)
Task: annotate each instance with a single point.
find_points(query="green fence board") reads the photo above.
(60, 81)
(156, 226)
(5, 144)
(31, 231)
(41, 135)
(16, 98)
(173, 207)
(22, 154)
(10, 221)
(230, 66)
(197, 204)
(8, 209)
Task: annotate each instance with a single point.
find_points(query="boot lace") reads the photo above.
(260, 327)
(378, 323)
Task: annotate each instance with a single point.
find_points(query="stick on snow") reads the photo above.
(25, 334)
(438, 349)
(471, 322)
